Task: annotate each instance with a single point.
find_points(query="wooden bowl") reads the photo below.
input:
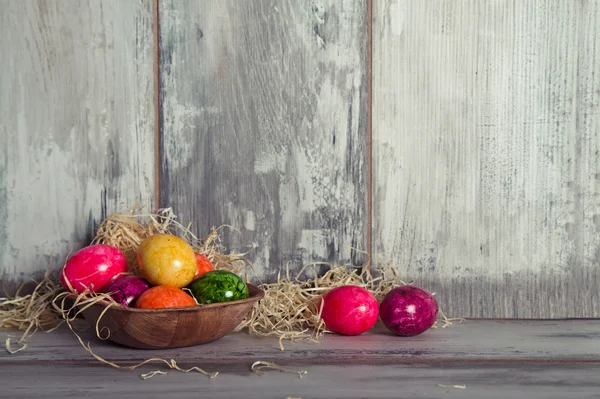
(171, 328)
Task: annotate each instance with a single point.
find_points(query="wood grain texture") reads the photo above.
(331, 382)
(486, 145)
(76, 124)
(474, 341)
(264, 125)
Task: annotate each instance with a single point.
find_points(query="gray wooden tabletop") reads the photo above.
(475, 359)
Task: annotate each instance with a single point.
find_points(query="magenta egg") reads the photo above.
(92, 267)
(349, 310)
(125, 289)
(408, 310)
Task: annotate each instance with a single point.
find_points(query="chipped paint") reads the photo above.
(288, 142)
(76, 131)
(485, 146)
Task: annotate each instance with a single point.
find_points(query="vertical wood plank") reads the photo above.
(486, 153)
(76, 123)
(264, 125)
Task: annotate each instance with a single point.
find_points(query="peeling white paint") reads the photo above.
(397, 15)
(314, 243)
(288, 138)
(250, 221)
(182, 122)
(268, 162)
(72, 131)
(485, 146)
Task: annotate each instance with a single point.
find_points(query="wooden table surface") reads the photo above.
(475, 359)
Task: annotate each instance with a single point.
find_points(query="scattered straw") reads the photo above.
(445, 322)
(258, 367)
(87, 299)
(290, 309)
(30, 313)
(13, 351)
(147, 376)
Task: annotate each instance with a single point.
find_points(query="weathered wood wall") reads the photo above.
(486, 152)
(485, 136)
(76, 123)
(264, 115)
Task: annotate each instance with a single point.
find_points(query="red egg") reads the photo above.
(408, 310)
(349, 310)
(92, 267)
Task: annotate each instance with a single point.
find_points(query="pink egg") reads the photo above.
(92, 267)
(349, 310)
(408, 310)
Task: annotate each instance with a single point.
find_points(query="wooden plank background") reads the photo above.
(485, 137)
(264, 127)
(487, 152)
(76, 123)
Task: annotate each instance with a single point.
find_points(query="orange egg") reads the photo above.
(164, 296)
(165, 259)
(203, 265)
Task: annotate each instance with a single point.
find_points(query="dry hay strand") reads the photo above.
(86, 299)
(259, 366)
(212, 247)
(31, 312)
(291, 308)
(124, 230)
(127, 229)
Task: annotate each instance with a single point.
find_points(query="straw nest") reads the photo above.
(30, 312)
(126, 230)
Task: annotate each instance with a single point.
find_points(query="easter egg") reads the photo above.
(218, 286)
(165, 259)
(92, 267)
(349, 310)
(164, 296)
(203, 265)
(408, 310)
(125, 289)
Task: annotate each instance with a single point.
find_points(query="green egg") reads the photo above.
(218, 286)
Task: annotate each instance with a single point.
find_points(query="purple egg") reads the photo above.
(126, 288)
(408, 311)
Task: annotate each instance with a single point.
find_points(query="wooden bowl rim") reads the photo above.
(256, 294)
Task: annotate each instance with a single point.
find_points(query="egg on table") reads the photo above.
(408, 310)
(349, 310)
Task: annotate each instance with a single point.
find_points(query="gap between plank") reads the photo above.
(311, 361)
(370, 133)
(156, 106)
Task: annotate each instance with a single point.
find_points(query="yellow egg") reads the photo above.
(165, 259)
